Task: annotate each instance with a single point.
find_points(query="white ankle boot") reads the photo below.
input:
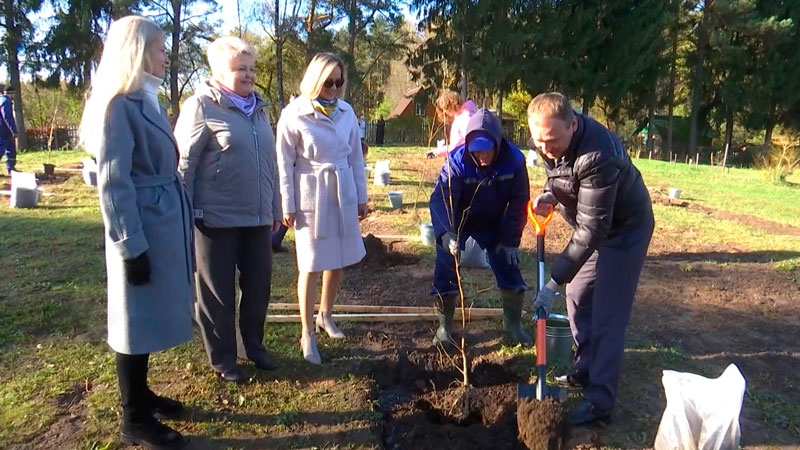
(308, 343)
(326, 323)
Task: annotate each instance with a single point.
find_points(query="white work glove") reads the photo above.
(450, 242)
(545, 299)
(543, 202)
(512, 254)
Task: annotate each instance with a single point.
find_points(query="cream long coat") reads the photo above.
(322, 181)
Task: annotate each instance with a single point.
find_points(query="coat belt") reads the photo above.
(326, 174)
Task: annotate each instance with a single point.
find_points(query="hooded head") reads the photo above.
(484, 138)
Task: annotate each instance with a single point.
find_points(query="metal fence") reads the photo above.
(62, 138)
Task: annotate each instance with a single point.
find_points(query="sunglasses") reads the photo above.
(329, 83)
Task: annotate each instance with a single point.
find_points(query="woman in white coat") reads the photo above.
(147, 217)
(323, 190)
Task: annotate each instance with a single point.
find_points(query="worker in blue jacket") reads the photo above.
(482, 192)
(8, 129)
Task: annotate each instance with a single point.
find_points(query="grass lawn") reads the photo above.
(57, 375)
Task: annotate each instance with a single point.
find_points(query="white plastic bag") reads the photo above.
(473, 255)
(701, 413)
(24, 193)
(382, 174)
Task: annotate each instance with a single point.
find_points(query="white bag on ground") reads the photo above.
(701, 413)
(89, 171)
(473, 255)
(24, 193)
(382, 175)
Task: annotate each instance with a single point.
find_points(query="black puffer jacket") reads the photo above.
(600, 192)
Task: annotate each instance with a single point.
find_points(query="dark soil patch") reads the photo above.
(67, 424)
(426, 407)
(380, 256)
(541, 424)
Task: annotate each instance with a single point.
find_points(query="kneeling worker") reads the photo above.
(481, 192)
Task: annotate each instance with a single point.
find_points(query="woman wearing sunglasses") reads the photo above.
(323, 191)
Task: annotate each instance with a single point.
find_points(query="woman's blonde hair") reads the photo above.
(318, 71)
(120, 71)
(223, 50)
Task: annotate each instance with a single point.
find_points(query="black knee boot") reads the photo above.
(139, 427)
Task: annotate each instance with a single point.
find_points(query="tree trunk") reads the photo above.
(500, 105)
(352, 29)
(650, 118)
(728, 135)
(174, 90)
(673, 75)
(279, 56)
(464, 72)
(12, 45)
(699, 73)
(587, 104)
(770, 125)
(312, 13)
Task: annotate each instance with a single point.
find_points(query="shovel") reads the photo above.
(540, 390)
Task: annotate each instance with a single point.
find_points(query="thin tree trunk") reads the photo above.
(697, 84)
(770, 125)
(312, 13)
(12, 45)
(174, 90)
(673, 75)
(464, 72)
(352, 29)
(500, 105)
(728, 135)
(279, 55)
(650, 118)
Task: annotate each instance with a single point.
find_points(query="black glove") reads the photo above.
(137, 270)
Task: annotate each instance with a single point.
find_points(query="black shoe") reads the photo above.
(150, 433)
(262, 362)
(280, 249)
(586, 413)
(234, 375)
(165, 408)
(575, 378)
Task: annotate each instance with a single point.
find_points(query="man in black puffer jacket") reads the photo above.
(602, 196)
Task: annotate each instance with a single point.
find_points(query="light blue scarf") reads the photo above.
(246, 104)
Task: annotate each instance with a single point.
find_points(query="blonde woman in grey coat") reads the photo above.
(147, 217)
(228, 165)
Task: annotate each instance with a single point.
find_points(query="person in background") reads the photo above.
(604, 199)
(380, 131)
(481, 192)
(457, 113)
(229, 167)
(148, 222)
(8, 128)
(323, 190)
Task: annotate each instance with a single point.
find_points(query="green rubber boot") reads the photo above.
(445, 308)
(512, 316)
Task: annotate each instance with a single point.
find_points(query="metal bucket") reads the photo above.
(426, 233)
(395, 199)
(559, 342)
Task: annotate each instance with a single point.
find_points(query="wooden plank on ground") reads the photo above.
(381, 309)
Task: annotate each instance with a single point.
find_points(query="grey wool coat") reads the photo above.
(145, 209)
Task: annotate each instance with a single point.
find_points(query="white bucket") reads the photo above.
(426, 233)
(674, 193)
(395, 199)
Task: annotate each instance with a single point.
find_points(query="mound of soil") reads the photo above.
(426, 407)
(379, 256)
(541, 424)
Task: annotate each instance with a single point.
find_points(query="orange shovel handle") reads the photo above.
(538, 225)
